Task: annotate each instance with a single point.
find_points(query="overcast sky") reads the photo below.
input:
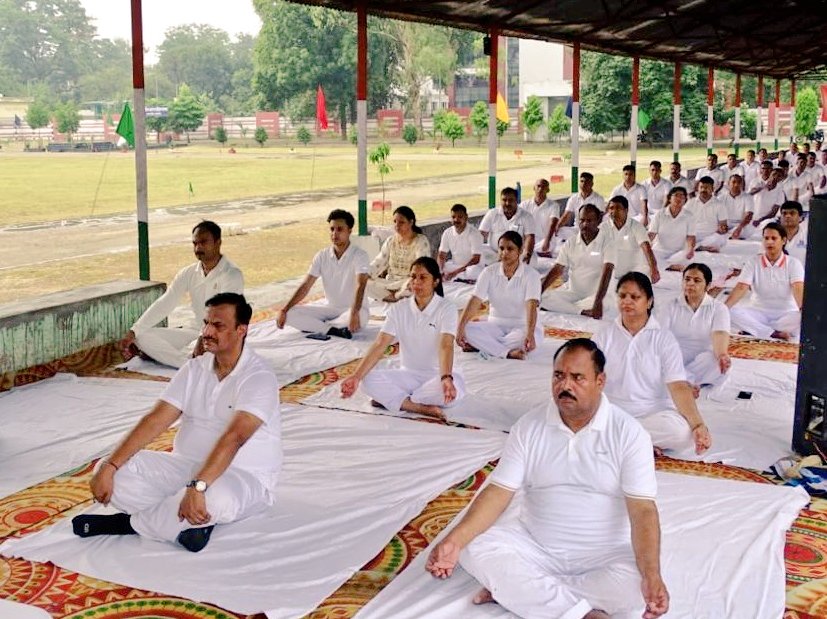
(113, 21)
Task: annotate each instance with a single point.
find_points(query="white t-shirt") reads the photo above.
(224, 277)
(671, 231)
(507, 297)
(797, 245)
(817, 174)
(681, 181)
(462, 246)
(576, 200)
(576, 484)
(751, 171)
(800, 182)
(693, 329)
(585, 262)
(495, 224)
(707, 215)
(715, 174)
(419, 331)
(340, 275)
(727, 171)
(771, 283)
(208, 405)
(639, 367)
(765, 199)
(542, 214)
(735, 207)
(635, 194)
(656, 194)
(626, 245)
(757, 183)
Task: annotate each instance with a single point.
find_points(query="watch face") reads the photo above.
(200, 485)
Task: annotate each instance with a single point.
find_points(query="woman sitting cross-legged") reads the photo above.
(513, 291)
(424, 325)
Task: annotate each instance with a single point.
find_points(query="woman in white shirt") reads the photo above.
(424, 325)
(513, 291)
(644, 370)
(389, 270)
(701, 326)
(777, 283)
(672, 229)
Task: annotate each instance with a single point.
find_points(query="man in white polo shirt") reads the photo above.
(589, 259)
(463, 242)
(672, 230)
(508, 216)
(736, 204)
(587, 475)
(226, 458)
(766, 202)
(797, 230)
(800, 183)
(710, 218)
(657, 188)
(713, 171)
(751, 167)
(546, 216)
(344, 269)
(732, 167)
(635, 195)
(210, 275)
(585, 195)
(677, 179)
(630, 241)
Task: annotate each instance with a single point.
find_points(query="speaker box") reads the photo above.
(810, 427)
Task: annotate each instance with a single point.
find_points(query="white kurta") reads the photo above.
(495, 223)
(715, 174)
(543, 214)
(151, 485)
(656, 194)
(708, 216)
(736, 207)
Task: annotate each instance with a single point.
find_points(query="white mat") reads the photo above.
(350, 482)
(46, 425)
(291, 354)
(15, 610)
(500, 391)
(724, 560)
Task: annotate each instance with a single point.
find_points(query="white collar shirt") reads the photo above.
(716, 174)
(771, 283)
(635, 195)
(461, 245)
(626, 244)
(707, 215)
(766, 199)
(208, 405)
(508, 297)
(542, 214)
(751, 171)
(672, 231)
(419, 332)
(589, 473)
(576, 200)
(495, 223)
(735, 207)
(638, 367)
(693, 328)
(656, 194)
(727, 171)
(681, 181)
(585, 261)
(797, 245)
(340, 275)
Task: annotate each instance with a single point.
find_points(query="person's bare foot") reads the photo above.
(468, 348)
(483, 596)
(711, 250)
(675, 267)
(658, 451)
(596, 614)
(781, 335)
(517, 353)
(429, 410)
(391, 298)
(696, 391)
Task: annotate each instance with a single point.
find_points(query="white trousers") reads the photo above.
(714, 240)
(668, 430)
(703, 369)
(378, 288)
(667, 257)
(565, 301)
(171, 347)
(392, 386)
(534, 583)
(472, 272)
(151, 485)
(498, 338)
(762, 322)
(319, 318)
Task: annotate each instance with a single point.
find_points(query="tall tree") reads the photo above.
(37, 115)
(806, 112)
(67, 118)
(532, 116)
(186, 112)
(200, 56)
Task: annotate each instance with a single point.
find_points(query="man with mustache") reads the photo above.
(227, 455)
(210, 275)
(586, 543)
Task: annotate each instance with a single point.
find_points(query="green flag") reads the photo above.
(643, 119)
(126, 127)
(192, 192)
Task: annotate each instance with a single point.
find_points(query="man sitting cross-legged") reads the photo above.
(344, 269)
(227, 454)
(587, 540)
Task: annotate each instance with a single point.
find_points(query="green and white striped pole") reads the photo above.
(139, 118)
(492, 119)
(575, 117)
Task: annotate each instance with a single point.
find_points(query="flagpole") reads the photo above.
(139, 106)
(492, 119)
(635, 104)
(362, 116)
(575, 116)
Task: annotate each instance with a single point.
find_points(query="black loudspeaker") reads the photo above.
(810, 428)
(486, 45)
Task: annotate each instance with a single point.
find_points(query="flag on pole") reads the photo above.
(643, 119)
(192, 193)
(321, 112)
(569, 105)
(502, 109)
(126, 127)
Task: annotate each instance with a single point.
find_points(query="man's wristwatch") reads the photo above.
(199, 484)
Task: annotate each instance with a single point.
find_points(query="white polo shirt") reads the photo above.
(800, 182)
(681, 181)
(765, 199)
(693, 328)
(756, 183)
(419, 331)
(576, 483)
(507, 297)
(656, 194)
(207, 405)
(576, 200)
(639, 367)
(817, 174)
(671, 231)
(735, 207)
(797, 245)
(771, 283)
(751, 171)
(635, 194)
(585, 262)
(716, 174)
(727, 171)
(339, 275)
(224, 277)
(462, 246)
(707, 215)
(495, 224)
(542, 214)
(626, 244)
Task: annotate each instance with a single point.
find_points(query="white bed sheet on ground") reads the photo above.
(16, 610)
(499, 391)
(289, 351)
(724, 560)
(46, 425)
(349, 483)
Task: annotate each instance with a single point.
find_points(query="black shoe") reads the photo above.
(90, 525)
(195, 540)
(343, 332)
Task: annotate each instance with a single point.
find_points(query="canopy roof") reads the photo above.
(776, 39)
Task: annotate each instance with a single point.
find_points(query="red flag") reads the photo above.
(824, 103)
(321, 112)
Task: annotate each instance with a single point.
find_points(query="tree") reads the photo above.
(605, 93)
(410, 134)
(220, 135)
(479, 120)
(532, 116)
(260, 136)
(158, 124)
(200, 56)
(451, 126)
(67, 119)
(303, 135)
(502, 127)
(379, 157)
(558, 123)
(37, 115)
(748, 124)
(806, 111)
(186, 113)
(109, 78)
